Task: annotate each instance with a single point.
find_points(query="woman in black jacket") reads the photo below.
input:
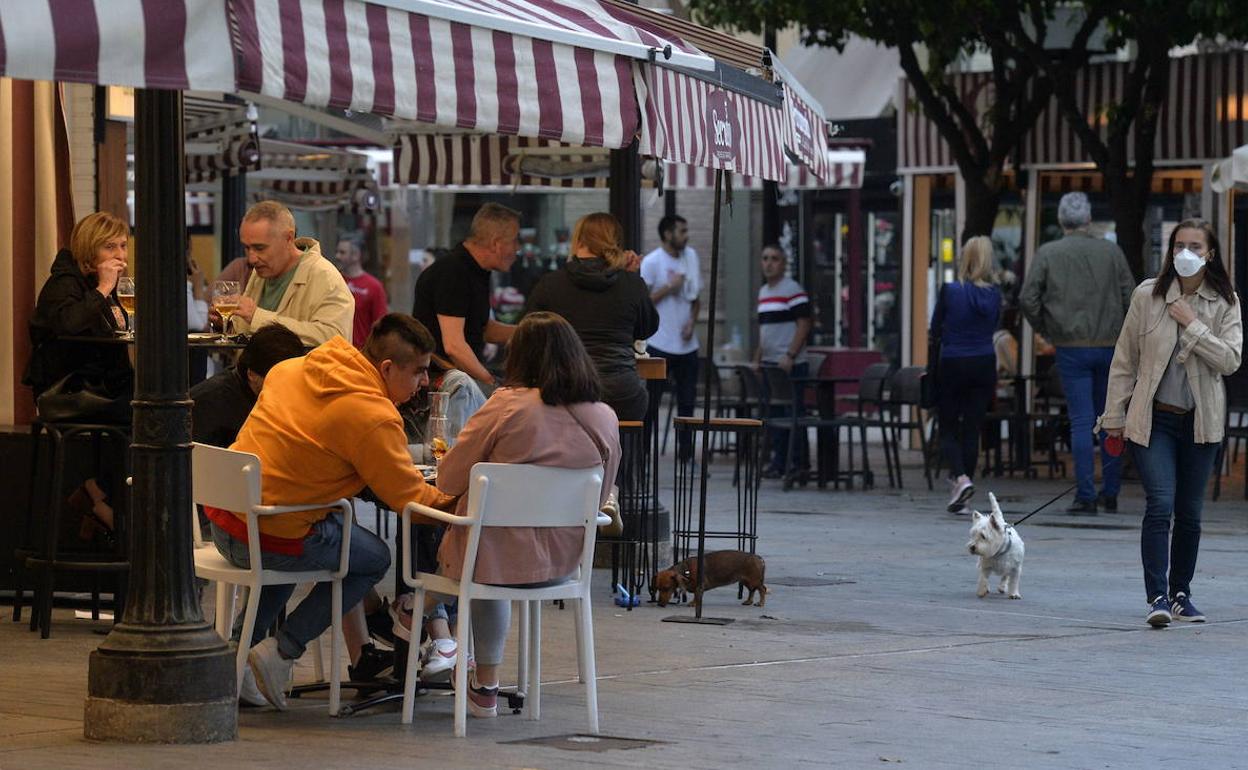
(601, 294)
(79, 299)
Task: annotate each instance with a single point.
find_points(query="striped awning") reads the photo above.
(844, 169)
(1204, 118)
(695, 122)
(221, 146)
(472, 162)
(558, 69)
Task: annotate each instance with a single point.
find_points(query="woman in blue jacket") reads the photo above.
(967, 313)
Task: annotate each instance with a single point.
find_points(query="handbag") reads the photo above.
(612, 506)
(77, 397)
(928, 392)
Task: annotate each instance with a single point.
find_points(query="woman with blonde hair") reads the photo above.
(601, 294)
(967, 313)
(79, 299)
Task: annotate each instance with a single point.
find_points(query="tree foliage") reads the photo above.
(930, 35)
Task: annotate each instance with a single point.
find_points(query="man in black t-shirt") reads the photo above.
(453, 294)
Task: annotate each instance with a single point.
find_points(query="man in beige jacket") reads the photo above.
(291, 282)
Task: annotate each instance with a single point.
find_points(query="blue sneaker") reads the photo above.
(1159, 612)
(1181, 608)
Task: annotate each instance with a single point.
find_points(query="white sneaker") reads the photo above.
(272, 672)
(400, 611)
(437, 659)
(962, 489)
(249, 693)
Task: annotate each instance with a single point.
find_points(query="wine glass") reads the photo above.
(225, 295)
(125, 295)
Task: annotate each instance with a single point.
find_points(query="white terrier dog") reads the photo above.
(1000, 551)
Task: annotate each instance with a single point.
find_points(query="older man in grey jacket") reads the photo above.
(1076, 294)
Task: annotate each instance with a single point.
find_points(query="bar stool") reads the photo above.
(747, 473)
(634, 552)
(47, 559)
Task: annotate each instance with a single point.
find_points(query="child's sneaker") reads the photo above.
(482, 701)
(1181, 608)
(437, 659)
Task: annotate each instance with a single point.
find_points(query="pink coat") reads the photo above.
(514, 426)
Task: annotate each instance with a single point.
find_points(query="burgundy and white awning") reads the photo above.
(844, 169)
(694, 122)
(487, 162)
(558, 69)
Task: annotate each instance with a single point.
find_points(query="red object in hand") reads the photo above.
(1114, 445)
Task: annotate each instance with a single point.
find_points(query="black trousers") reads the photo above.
(682, 372)
(965, 387)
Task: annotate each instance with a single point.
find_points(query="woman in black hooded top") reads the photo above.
(601, 294)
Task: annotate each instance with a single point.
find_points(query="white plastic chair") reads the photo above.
(505, 495)
(230, 480)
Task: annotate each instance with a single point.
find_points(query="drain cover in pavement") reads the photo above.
(802, 580)
(579, 742)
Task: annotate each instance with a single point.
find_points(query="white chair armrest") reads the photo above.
(434, 513)
(603, 520)
(270, 510)
(409, 575)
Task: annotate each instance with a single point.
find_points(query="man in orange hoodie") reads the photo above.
(325, 426)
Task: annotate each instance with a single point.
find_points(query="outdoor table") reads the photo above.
(208, 341)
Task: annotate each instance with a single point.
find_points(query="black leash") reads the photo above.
(1060, 495)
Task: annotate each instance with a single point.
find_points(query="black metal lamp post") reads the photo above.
(162, 675)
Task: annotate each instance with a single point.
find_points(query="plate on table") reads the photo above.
(202, 336)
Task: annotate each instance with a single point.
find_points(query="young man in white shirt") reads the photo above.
(672, 274)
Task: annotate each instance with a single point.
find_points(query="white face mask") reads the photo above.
(1187, 263)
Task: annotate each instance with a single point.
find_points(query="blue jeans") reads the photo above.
(1175, 471)
(368, 560)
(1085, 377)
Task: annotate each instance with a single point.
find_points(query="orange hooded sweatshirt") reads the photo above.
(324, 428)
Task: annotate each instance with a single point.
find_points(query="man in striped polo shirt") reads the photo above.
(784, 322)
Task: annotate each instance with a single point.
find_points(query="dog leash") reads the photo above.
(1060, 495)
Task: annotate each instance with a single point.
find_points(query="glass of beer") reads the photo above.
(438, 445)
(125, 295)
(225, 296)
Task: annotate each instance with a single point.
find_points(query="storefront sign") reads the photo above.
(722, 129)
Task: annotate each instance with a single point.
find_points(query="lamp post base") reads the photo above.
(166, 685)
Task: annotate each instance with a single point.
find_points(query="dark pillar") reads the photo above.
(626, 193)
(233, 207)
(771, 190)
(856, 268)
(162, 675)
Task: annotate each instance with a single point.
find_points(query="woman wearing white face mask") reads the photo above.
(1182, 335)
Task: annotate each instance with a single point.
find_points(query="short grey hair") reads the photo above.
(1074, 211)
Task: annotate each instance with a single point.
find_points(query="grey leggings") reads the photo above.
(490, 620)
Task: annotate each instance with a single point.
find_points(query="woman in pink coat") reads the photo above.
(548, 413)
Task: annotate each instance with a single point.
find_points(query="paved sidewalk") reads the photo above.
(872, 651)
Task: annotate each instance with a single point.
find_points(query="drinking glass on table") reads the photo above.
(225, 295)
(125, 295)
(438, 444)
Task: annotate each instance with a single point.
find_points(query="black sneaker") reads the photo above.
(371, 665)
(1181, 608)
(381, 625)
(1159, 613)
(1083, 508)
(1107, 504)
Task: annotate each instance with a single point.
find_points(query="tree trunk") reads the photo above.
(1129, 213)
(982, 203)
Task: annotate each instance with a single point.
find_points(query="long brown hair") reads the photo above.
(1215, 271)
(600, 233)
(92, 232)
(546, 353)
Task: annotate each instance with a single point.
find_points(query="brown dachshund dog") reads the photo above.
(722, 568)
